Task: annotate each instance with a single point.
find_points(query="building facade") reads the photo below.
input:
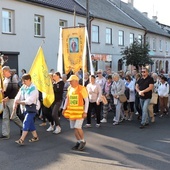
(27, 24)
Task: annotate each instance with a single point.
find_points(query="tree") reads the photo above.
(137, 54)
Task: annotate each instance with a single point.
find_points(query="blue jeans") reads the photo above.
(145, 115)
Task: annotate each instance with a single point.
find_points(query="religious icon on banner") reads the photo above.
(74, 44)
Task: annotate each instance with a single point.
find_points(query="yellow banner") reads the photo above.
(40, 77)
(73, 43)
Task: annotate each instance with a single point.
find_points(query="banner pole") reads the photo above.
(43, 42)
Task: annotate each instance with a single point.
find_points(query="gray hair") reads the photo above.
(100, 70)
(115, 75)
(154, 75)
(6, 68)
(64, 75)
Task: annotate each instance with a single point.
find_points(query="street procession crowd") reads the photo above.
(81, 96)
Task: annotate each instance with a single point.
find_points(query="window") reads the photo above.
(140, 39)
(148, 42)
(63, 23)
(108, 36)
(121, 37)
(95, 34)
(154, 44)
(160, 45)
(166, 46)
(38, 25)
(131, 38)
(81, 24)
(7, 21)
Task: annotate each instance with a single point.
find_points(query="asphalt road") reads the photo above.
(120, 147)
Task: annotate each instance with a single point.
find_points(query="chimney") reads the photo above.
(145, 14)
(154, 18)
(131, 3)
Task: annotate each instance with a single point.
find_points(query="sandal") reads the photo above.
(20, 142)
(34, 139)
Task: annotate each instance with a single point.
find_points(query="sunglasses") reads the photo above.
(143, 71)
(99, 73)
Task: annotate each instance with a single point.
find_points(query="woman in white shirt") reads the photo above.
(100, 79)
(94, 93)
(129, 84)
(163, 91)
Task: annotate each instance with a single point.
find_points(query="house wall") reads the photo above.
(26, 44)
(24, 41)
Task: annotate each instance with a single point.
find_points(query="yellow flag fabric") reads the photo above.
(73, 43)
(40, 77)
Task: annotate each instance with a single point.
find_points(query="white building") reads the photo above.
(113, 26)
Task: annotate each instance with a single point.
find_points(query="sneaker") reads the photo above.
(153, 119)
(4, 137)
(161, 115)
(136, 113)
(76, 146)
(51, 128)
(121, 120)
(82, 146)
(92, 116)
(147, 124)
(114, 119)
(57, 130)
(103, 120)
(87, 126)
(115, 123)
(97, 125)
(142, 126)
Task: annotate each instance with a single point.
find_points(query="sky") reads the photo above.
(159, 8)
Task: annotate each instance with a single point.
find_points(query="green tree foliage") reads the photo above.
(136, 54)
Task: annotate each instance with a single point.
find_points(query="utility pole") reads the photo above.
(87, 15)
(74, 18)
(88, 26)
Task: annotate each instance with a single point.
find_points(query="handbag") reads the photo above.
(154, 99)
(122, 98)
(31, 108)
(104, 100)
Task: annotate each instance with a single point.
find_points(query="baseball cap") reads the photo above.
(73, 77)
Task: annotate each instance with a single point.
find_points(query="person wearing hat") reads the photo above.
(75, 109)
(10, 90)
(100, 79)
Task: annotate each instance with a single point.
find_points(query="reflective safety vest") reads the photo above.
(75, 106)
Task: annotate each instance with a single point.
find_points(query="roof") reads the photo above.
(103, 9)
(111, 10)
(68, 5)
(147, 23)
